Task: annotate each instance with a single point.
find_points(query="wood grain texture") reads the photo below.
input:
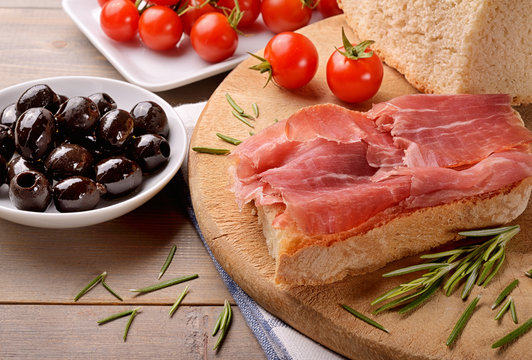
(237, 241)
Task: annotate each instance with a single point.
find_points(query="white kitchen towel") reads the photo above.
(278, 340)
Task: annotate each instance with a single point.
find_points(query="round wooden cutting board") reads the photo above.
(236, 238)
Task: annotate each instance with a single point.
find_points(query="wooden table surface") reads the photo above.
(42, 270)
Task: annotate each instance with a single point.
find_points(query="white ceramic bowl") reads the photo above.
(126, 96)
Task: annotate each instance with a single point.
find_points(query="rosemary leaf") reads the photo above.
(130, 320)
(495, 271)
(229, 139)
(90, 285)
(471, 279)
(233, 104)
(486, 268)
(248, 116)
(513, 335)
(396, 302)
(414, 268)
(108, 288)
(442, 254)
(503, 310)
(208, 150)
(165, 284)
(167, 262)
(421, 298)
(224, 324)
(255, 108)
(178, 301)
(507, 290)
(219, 321)
(512, 310)
(529, 273)
(488, 232)
(242, 118)
(459, 327)
(364, 318)
(116, 316)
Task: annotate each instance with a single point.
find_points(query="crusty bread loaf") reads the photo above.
(306, 260)
(451, 46)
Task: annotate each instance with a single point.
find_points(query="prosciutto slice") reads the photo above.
(333, 169)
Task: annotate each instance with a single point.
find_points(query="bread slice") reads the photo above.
(450, 47)
(313, 260)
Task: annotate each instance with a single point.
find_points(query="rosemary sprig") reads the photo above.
(129, 321)
(504, 293)
(178, 301)
(461, 323)
(165, 284)
(513, 335)
(208, 150)
(90, 285)
(229, 139)
(503, 310)
(222, 324)
(364, 318)
(167, 262)
(472, 264)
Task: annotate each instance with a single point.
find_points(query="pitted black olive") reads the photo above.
(114, 129)
(9, 116)
(30, 190)
(68, 160)
(34, 133)
(77, 116)
(3, 170)
(19, 164)
(77, 193)
(7, 142)
(104, 102)
(40, 95)
(150, 118)
(119, 175)
(149, 151)
(62, 98)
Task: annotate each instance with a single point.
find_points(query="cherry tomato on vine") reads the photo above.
(119, 20)
(160, 28)
(197, 8)
(164, 2)
(290, 58)
(285, 15)
(250, 10)
(354, 73)
(328, 8)
(213, 37)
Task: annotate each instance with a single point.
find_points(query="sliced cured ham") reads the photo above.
(331, 169)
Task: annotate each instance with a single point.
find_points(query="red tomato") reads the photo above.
(119, 20)
(292, 59)
(354, 80)
(164, 2)
(213, 38)
(198, 8)
(329, 8)
(160, 28)
(103, 2)
(285, 15)
(249, 8)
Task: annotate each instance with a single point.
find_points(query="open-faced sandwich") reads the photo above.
(340, 192)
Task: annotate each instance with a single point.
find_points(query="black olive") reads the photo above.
(30, 190)
(77, 193)
(7, 142)
(68, 160)
(62, 98)
(19, 164)
(9, 115)
(34, 133)
(40, 95)
(77, 116)
(3, 170)
(149, 151)
(119, 175)
(114, 129)
(150, 118)
(104, 102)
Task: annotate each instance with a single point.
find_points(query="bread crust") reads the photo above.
(315, 260)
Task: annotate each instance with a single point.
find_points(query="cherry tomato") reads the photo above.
(249, 8)
(160, 28)
(291, 58)
(328, 8)
(357, 77)
(285, 15)
(103, 2)
(213, 38)
(198, 8)
(119, 20)
(164, 2)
